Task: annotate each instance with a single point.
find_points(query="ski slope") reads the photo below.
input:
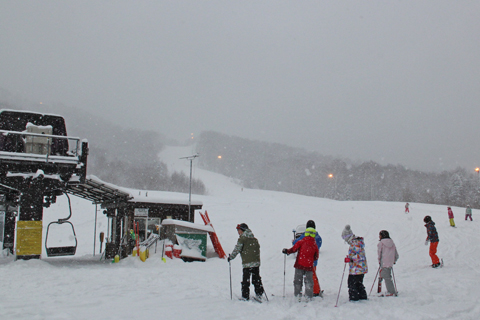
(83, 287)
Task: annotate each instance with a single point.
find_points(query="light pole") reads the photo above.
(191, 158)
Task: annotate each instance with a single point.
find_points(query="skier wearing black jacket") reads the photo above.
(432, 237)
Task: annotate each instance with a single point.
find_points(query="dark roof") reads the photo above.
(98, 192)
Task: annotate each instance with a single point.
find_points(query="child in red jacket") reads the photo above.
(307, 254)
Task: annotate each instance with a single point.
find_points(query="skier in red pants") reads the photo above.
(432, 237)
(468, 213)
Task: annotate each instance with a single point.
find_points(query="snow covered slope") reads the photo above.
(82, 287)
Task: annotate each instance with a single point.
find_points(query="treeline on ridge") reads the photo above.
(273, 166)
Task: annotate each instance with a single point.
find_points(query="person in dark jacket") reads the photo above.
(249, 249)
(432, 237)
(307, 254)
(317, 291)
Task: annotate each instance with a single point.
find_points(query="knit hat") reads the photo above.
(347, 234)
(242, 226)
(427, 219)
(310, 232)
(311, 224)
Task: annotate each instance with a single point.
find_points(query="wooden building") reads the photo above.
(124, 207)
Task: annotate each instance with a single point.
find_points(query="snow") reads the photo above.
(190, 247)
(149, 196)
(187, 224)
(83, 287)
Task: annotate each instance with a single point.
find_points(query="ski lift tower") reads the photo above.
(37, 163)
(190, 158)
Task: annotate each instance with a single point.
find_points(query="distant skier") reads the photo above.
(307, 254)
(432, 237)
(468, 213)
(357, 265)
(387, 257)
(249, 249)
(450, 217)
(407, 205)
(318, 241)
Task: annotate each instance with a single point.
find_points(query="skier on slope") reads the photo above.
(450, 217)
(432, 237)
(468, 213)
(407, 205)
(357, 265)
(307, 254)
(249, 249)
(318, 241)
(387, 257)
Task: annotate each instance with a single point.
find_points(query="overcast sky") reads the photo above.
(392, 81)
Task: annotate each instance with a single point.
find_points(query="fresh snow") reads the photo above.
(83, 287)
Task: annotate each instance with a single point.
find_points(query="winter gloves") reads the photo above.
(347, 259)
(229, 259)
(285, 251)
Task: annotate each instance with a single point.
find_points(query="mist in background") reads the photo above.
(396, 82)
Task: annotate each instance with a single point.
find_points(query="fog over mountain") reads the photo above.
(133, 158)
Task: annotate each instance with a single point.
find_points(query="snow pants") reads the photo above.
(468, 216)
(356, 289)
(256, 281)
(433, 252)
(452, 223)
(386, 274)
(300, 276)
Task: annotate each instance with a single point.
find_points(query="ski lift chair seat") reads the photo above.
(61, 251)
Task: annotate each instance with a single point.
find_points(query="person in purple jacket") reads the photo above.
(387, 257)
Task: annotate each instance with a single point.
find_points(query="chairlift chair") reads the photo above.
(66, 250)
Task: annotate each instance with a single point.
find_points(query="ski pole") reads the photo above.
(163, 251)
(284, 267)
(265, 293)
(374, 280)
(380, 279)
(341, 283)
(395, 282)
(230, 268)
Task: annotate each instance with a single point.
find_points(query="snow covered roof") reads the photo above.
(187, 224)
(31, 112)
(149, 196)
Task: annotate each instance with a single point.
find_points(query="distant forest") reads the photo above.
(122, 156)
(272, 166)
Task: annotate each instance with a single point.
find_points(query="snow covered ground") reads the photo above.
(83, 287)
